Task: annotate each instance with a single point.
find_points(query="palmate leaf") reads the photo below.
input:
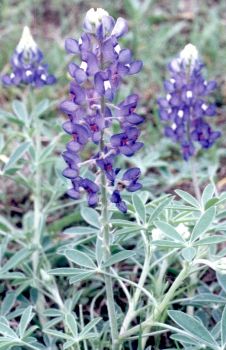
(193, 327)
(89, 326)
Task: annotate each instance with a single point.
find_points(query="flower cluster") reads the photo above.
(90, 109)
(27, 66)
(185, 108)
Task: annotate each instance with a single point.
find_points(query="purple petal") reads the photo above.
(134, 187)
(120, 28)
(125, 56)
(71, 46)
(80, 75)
(135, 67)
(70, 173)
(132, 174)
(68, 106)
(73, 194)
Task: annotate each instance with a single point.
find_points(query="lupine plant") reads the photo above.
(97, 259)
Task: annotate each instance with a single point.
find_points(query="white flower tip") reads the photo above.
(189, 54)
(94, 17)
(26, 41)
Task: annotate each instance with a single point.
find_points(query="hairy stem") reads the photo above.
(106, 247)
(195, 179)
(131, 313)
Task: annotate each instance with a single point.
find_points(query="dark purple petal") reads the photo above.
(134, 187)
(131, 174)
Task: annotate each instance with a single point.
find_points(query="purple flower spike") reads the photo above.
(98, 68)
(185, 108)
(27, 66)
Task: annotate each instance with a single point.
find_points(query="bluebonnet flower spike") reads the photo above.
(27, 66)
(97, 78)
(186, 108)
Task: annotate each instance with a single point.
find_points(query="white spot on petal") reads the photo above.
(204, 106)
(174, 126)
(43, 77)
(117, 48)
(168, 97)
(28, 73)
(107, 85)
(189, 94)
(84, 65)
(180, 113)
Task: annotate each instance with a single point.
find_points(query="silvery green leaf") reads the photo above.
(158, 210)
(223, 328)
(7, 331)
(16, 155)
(114, 259)
(25, 320)
(80, 258)
(221, 278)
(203, 223)
(139, 207)
(66, 271)
(80, 277)
(188, 253)
(89, 326)
(166, 243)
(210, 240)
(184, 339)
(15, 260)
(169, 231)
(207, 194)
(40, 108)
(8, 303)
(91, 216)
(72, 324)
(20, 110)
(193, 327)
(80, 230)
(187, 197)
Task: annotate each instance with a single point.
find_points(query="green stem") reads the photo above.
(37, 201)
(195, 179)
(131, 313)
(106, 247)
(159, 310)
